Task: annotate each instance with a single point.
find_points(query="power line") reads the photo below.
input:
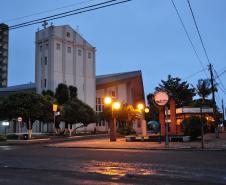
(196, 25)
(188, 36)
(65, 14)
(46, 11)
(222, 88)
(195, 73)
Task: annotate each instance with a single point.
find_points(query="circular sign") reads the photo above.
(19, 119)
(161, 98)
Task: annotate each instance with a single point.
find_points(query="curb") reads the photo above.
(161, 149)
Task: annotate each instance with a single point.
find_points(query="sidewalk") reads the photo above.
(211, 143)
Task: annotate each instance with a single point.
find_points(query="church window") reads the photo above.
(79, 52)
(58, 46)
(45, 61)
(68, 34)
(89, 55)
(99, 104)
(44, 83)
(69, 49)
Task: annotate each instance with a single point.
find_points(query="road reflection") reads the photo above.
(117, 169)
(6, 148)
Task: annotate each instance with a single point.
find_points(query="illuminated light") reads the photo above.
(54, 107)
(107, 100)
(116, 105)
(140, 106)
(146, 110)
(5, 123)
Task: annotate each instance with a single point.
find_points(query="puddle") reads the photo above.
(117, 169)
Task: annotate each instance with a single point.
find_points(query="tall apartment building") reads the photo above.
(64, 56)
(4, 39)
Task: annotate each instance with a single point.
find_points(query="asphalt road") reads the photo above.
(39, 165)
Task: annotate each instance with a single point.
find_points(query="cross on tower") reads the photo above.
(45, 23)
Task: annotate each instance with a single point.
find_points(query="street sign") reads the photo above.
(19, 119)
(57, 113)
(161, 98)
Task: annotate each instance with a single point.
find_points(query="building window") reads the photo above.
(69, 49)
(113, 94)
(45, 61)
(47, 46)
(68, 34)
(58, 46)
(44, 83)
(99, 104)
(89, 55)
(79, 52)
(40, 47)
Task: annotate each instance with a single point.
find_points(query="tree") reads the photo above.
(48, 93)
(73, 92)
(75, 111)
(62, 94)
(203, 88)
(154, 111)
(27, 105)
(192, 126)
(180, 90)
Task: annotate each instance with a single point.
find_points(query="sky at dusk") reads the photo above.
(141, 35)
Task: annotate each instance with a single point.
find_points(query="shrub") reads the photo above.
(192, 126)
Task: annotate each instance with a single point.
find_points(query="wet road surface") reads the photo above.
(38, 165)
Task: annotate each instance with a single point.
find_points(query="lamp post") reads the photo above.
(142, 109)
(114, 106)
(6, 125)
(55, 106)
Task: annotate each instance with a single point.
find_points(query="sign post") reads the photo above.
(161, 98)
(54, 113)
(19, 120)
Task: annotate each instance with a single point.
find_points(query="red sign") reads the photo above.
(161, 98)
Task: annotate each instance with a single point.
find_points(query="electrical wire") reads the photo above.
(189, 38)
(68, 13)
(46, 11)
(199, 34)
(195, 73)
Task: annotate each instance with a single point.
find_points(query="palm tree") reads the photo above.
(203, 88)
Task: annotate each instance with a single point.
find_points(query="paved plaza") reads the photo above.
(211, 143)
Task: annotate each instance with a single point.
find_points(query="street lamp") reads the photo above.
(146, 110)
(140, 106)
(115, 105)
(107, 100)
(6, 125)
(142, 109)
(55, 106)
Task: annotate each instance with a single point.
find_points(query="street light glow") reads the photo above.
(140, 106)
(146, 110)
(5, 123)
(107, 100)
(116, 105)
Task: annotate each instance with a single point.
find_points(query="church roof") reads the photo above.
(103, 79)
(100, 79)
(30, 86)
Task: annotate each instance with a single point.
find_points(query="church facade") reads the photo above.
(63, 56)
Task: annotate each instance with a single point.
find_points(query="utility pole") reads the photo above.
(223, 110)
(213, 100)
